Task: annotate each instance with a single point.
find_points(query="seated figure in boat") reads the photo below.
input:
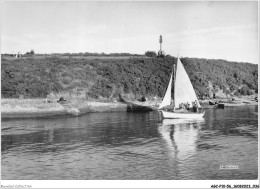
(182, 108)
(195, 106)
(187, 106)
(169, 108)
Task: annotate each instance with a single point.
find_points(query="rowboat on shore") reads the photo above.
(213, 102)
(183, 93)
(216, 104)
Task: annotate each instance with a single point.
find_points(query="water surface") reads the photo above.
(132, 146)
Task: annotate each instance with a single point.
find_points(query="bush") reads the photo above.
(150, 54)
(244, 90)
(237, 93)
(66, 81)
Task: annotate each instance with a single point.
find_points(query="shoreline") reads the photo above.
(244, 101)
(37, 108)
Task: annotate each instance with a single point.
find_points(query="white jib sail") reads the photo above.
(183, 89)
(168, 95)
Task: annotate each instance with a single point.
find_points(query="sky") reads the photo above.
(203, 29)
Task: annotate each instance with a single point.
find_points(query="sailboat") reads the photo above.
(183, 93)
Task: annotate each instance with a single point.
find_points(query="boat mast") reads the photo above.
(174, 77)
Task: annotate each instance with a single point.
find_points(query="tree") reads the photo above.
(150, 54)
(31, 52)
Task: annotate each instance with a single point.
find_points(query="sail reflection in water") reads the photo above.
(181, 136)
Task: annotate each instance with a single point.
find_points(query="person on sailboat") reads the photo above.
(193, 106)
(188, 106)
(182, 106)
(196, 106)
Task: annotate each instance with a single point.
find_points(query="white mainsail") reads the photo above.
(183, 89)
(168, 95)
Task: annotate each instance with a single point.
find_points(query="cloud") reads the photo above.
(247, 29)
(236, 43)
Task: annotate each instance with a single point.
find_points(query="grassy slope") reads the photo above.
(107, 77)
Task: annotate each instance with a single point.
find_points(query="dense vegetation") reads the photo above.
(225, 75)
(135, 76)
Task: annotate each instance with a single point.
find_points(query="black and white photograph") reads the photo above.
(129, 94)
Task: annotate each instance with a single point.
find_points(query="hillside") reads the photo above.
(101, 77)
